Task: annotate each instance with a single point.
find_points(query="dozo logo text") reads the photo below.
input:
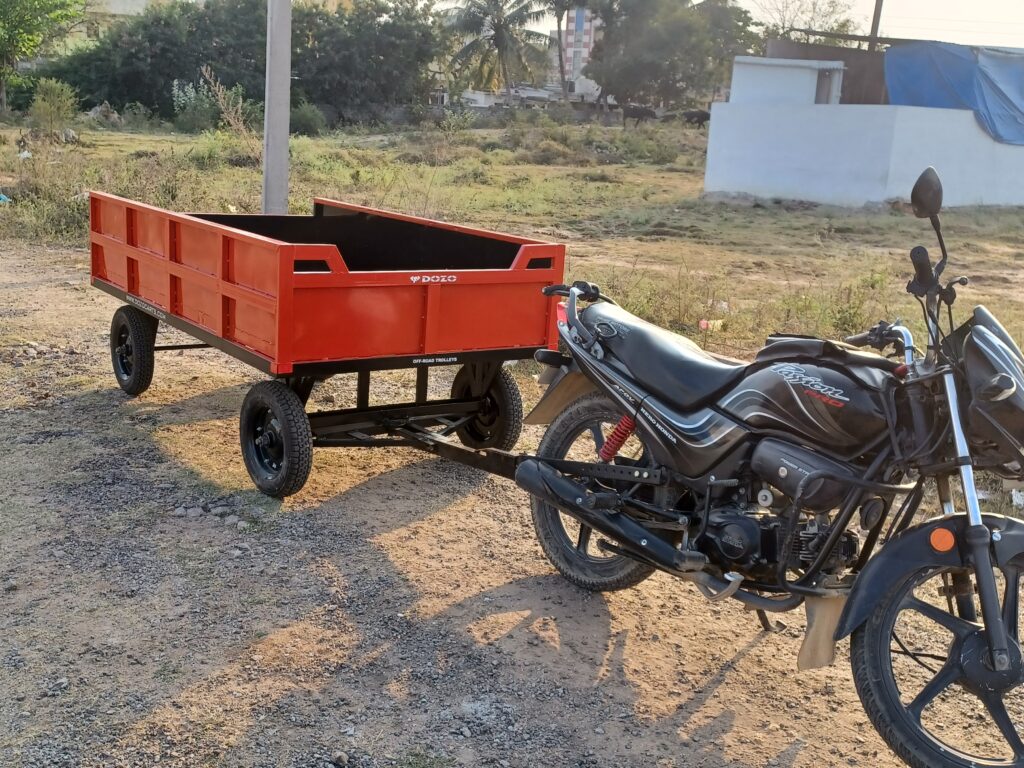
(433, 278)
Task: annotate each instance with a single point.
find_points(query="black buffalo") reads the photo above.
(696, 117)
(637, 113)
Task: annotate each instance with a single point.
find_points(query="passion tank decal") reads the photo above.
(813, 385)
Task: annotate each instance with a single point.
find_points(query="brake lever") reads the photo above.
(948, 294)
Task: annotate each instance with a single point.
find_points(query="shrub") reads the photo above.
(663, 154)
(21, 88)
(195, 109)
(209, 152)
(307, 119)
(549, 152)
(474, 175)
(136, 117)
(54, 105)
(237, 116)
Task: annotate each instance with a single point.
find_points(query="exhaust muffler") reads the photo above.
(540, 480)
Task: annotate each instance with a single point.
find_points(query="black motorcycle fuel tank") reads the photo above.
(837, 409)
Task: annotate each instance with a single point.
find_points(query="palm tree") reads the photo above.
(559, 9)
(499, 45)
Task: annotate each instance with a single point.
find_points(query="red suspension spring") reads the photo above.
(615, 440)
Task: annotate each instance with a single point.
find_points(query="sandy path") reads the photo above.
(398, 609)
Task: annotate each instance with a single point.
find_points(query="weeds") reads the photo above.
(703, 306)
(237, 116)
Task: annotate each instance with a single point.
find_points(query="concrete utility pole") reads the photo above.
(277, 106)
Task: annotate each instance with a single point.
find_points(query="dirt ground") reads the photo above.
(156, 610)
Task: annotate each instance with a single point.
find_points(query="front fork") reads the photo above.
(978, 537)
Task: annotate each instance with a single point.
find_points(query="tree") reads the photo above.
(26, 26)
(377, 53)
(54, 105)
(666, 51)
(731, 29)
(499, 46)
(560, 9)
(783, 17)
(652, 51)
(373, 52)
(138, 59)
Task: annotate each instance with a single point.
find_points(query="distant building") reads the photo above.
(581, 31)
(99, 16)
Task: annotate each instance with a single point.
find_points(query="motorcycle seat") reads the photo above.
(670, 366)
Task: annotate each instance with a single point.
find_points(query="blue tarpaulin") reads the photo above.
(989, 81)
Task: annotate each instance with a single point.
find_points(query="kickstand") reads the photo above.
(767, 624)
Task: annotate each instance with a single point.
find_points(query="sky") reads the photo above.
(970, 22)
(978, 22)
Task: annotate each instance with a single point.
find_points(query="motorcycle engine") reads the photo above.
(751, 539)
(746, 538)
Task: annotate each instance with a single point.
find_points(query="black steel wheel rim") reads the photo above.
(124, 358)
(267, 441)
(965, 671)
(585, 541)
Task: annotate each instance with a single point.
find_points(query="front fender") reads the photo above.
(567, 387)
(911, 551)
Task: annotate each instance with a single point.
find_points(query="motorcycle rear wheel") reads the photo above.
(577, 434)
(921, 672)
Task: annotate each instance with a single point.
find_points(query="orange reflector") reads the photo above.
(942, 540)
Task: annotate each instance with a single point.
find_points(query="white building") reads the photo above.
(783, 134)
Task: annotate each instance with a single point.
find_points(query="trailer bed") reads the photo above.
(347, 288)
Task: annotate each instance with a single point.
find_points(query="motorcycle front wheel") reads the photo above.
(577, 434)
(922, 670)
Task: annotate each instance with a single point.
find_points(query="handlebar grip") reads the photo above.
(859, 339)
(924, 273)
(588, 291)
(555, 290)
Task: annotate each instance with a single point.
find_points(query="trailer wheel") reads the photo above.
(500, 420)
(277, 443)
(132, 338)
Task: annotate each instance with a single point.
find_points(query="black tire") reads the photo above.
(500, 422)
(573, 560)
(132, 339)
(277, 443)
(908, 727)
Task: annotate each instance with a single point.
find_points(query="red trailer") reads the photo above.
(347, 289)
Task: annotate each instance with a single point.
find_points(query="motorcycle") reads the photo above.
(775, 483)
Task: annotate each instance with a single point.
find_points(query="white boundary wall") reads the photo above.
(853, 155)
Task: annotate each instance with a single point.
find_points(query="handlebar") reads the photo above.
(884, 334)
(586, 291)
(580, 289)
(858, 339)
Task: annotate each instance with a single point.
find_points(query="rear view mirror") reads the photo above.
(926, 197)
